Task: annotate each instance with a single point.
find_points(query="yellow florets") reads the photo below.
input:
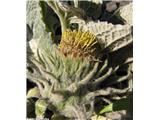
(78, 44)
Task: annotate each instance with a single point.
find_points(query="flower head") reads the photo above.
(78, 44)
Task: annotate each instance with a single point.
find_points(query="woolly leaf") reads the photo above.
(125, 12)
(34, 92)
(110, 36)
(41, 37)
(123, 104)
(40, 108)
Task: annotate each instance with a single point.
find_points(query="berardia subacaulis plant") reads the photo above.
(71, 76)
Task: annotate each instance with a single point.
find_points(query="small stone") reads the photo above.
(111, 6)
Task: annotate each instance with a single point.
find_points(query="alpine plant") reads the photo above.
(74, 74)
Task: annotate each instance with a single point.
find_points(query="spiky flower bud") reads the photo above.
(78, 44)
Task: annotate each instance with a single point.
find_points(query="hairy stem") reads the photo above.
(54, 5)
(90, 75)
(105, 92)
(101, 79)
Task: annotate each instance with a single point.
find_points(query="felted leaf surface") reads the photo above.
(126, 13)
(34, 21)
(109, 35)
(112, 37)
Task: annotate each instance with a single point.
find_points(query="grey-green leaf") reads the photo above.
(34, 92)
(123, 104)
(40, 108)
(41, 36)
